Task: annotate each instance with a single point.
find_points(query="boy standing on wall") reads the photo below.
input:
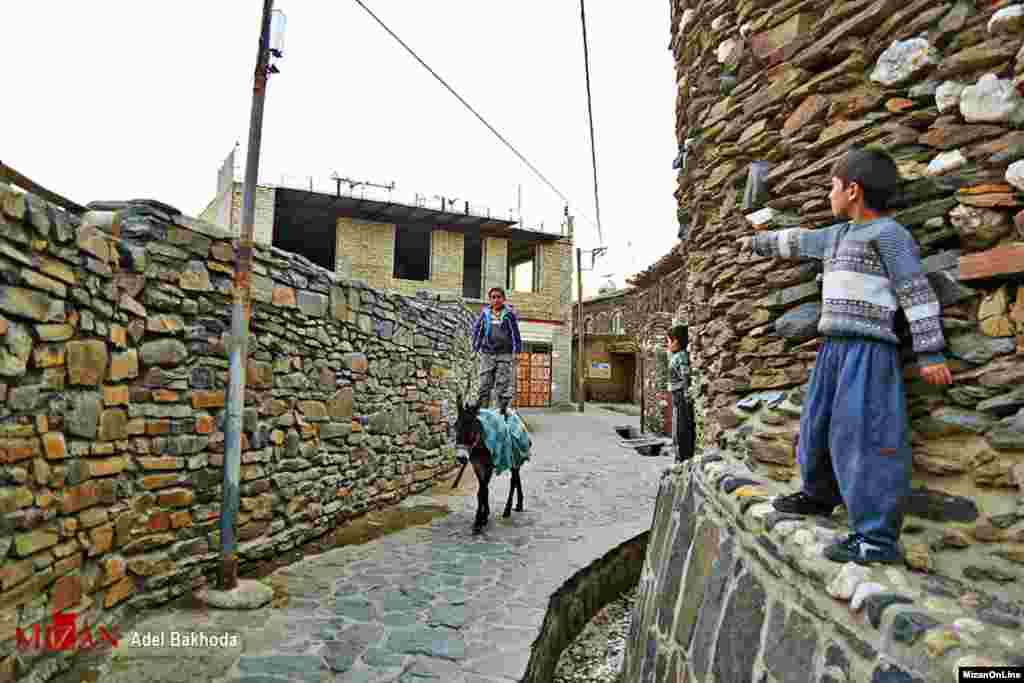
(683, 427)
(496, 337)
(854, 445)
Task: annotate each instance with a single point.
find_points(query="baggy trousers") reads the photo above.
(684, 427)
(854, 443)
(496, 374)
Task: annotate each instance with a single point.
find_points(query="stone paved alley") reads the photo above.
(430, 602)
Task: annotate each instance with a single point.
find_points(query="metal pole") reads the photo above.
(643, 388)
(579, 358)
(240, 319)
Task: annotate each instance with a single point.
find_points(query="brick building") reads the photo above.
(449, 251)
(621, 324)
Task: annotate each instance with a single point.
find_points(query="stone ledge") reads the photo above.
(925, 625)
(592, 587)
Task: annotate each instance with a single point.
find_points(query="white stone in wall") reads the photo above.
(685, 19)
(947, 96)
(763, 216)
(863, 592)
(728, 51)
(1015, 174)
(846, 580)
(719, 22)
(946, 162)
(968, 625)
(904, 60)
(991, 100)
(1007, 20)
(745, 29)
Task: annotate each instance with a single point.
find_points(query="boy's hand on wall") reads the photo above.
(937, 374)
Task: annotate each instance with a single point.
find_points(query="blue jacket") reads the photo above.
(508, 441)
(483, 335)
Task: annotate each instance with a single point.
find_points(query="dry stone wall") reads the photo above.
(794, 84)
(732, 590)
(113, 372)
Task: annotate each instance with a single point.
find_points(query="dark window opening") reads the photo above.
(523, 271)
(412, 253)
(472, 266)
(314, 238)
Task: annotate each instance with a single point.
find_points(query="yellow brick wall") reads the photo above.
(263, 221)
(546, 303)
(366, 251)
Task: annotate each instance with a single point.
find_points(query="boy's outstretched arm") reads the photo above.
(792, 243)
(917, 298)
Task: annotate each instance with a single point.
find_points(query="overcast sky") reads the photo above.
(121, 100)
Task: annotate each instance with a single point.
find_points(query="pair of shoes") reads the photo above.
(800, 503)
(856, 548)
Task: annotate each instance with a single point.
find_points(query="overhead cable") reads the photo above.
(590, 116)
(467, 105)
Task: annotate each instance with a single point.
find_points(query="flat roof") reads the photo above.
(303, 207)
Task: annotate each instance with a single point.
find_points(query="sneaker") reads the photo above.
(858, 549)
(800, 503)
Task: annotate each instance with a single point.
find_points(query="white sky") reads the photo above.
(123, 100)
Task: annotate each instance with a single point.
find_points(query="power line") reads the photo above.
(590, 116)
(468, 106)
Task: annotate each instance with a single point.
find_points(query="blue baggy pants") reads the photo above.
(854, 443)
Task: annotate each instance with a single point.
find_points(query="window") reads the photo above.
(523, 267)
(412, 253)
(588, 325)
(617, 323)
(472, 266)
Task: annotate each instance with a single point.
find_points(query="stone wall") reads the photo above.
(733, 591)
(114, 373)
(795, 85)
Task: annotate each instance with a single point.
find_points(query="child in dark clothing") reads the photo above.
(854, 445)
(683, 423)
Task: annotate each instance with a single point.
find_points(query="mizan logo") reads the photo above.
(64, 634)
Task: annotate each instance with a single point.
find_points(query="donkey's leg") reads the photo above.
(480, 470)
(487, 492)
(519, 489)
(511, 490)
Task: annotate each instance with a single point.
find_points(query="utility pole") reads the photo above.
(580, 383)
(594, 253)
(240, 313)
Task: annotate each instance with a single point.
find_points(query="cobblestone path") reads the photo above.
(429, 603)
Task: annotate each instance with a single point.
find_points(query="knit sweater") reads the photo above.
(870, 270)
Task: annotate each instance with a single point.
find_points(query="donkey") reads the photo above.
(469, 433)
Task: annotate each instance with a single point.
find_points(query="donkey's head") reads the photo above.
(468, 430)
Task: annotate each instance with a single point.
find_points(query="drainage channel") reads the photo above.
(573, 606)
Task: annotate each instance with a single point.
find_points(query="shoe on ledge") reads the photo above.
(856, 548)
(800, 503)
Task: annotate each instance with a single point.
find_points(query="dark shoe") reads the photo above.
(800, 503)
(858, 549)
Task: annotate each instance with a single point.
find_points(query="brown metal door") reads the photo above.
(533, 380)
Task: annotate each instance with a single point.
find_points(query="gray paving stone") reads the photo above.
(435, 602)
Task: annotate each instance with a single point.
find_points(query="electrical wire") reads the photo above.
(468, 106)
(590, 116)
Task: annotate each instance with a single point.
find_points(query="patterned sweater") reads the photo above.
(870, 270)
